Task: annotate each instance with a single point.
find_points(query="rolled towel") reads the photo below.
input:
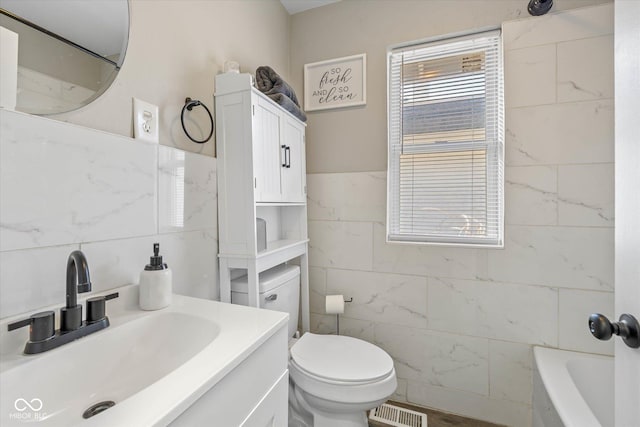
(270, 83)
(286, 103)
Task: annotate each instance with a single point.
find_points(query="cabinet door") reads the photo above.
(294, 171)
(266, 151)
(273, 409)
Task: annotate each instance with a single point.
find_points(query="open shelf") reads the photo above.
(277, 252)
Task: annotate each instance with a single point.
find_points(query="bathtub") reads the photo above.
(572, 389)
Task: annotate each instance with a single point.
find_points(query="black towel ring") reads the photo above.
(188, 105)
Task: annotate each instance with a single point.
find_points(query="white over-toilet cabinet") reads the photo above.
(260, 149)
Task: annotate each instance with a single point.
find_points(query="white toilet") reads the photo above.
(333, 379)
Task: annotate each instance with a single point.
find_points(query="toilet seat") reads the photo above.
(337, 358)
(341, 369)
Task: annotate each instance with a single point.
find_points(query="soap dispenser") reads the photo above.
(155, 283)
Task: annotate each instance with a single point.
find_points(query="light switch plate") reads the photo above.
(145, 121)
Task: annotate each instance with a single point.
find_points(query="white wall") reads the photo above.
(67, 187)
(176, 47)
(355, 139)
(460, 323)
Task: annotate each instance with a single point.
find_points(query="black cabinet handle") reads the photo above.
(284, 155)
(287, 156)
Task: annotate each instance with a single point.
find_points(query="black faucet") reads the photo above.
(77, 282)
(42, 333)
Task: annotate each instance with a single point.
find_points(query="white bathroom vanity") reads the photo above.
(196, 362)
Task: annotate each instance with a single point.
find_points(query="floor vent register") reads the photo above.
(398, 417)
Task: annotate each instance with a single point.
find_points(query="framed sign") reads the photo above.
(335, 83)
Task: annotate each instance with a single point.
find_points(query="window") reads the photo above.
(446, 142)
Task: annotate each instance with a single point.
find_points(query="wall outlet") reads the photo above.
(145, 121)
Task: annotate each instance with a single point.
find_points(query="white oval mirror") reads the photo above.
(69, 51)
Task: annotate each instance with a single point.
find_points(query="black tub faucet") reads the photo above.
(77, 282)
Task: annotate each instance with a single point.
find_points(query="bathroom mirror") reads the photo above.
(69, 51)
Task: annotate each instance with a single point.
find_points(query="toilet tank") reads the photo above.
(279, 290)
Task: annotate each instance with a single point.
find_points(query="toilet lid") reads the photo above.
(341, 358)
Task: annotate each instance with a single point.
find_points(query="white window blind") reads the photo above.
(446, 142)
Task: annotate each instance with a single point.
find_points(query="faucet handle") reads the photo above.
(41, 325)
(19, 324)
(112, 296)
(96, 307)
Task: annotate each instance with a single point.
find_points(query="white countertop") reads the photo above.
(241, 331)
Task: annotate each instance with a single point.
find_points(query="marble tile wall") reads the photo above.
(460, 323)
(64, 187)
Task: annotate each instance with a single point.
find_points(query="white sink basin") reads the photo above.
(104, 367)
(153, 365)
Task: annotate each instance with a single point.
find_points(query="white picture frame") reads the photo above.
(335, 83)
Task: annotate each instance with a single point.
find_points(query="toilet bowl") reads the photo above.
(333, 379)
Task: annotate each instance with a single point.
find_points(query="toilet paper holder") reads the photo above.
(338, 317)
